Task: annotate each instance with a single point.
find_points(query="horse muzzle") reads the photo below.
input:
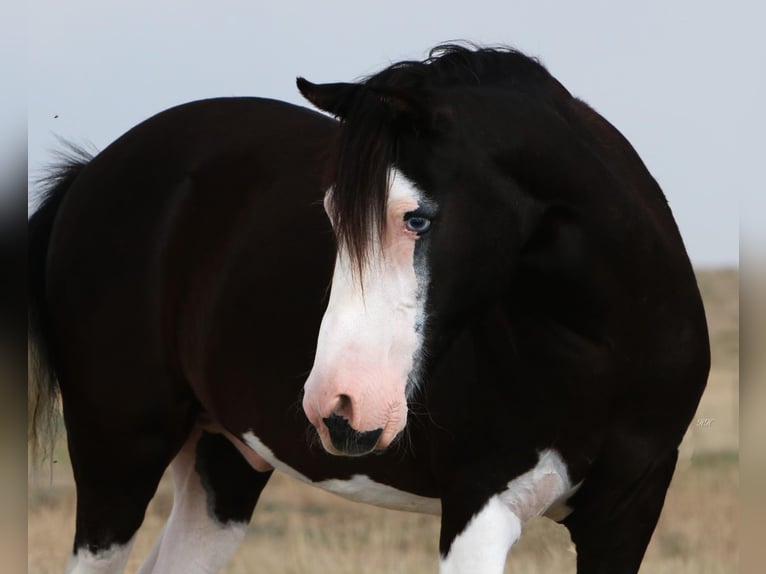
(348, 441)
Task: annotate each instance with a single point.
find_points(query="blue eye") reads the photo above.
(417, 223)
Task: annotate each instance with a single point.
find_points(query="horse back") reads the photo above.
(192, 217)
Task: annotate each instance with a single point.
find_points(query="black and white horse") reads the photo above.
(513, 326)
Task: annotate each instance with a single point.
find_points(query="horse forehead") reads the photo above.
(403, 190)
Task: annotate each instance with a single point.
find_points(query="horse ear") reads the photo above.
(333, 98)
(404, 108)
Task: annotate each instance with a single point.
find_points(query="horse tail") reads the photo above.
(43, 392)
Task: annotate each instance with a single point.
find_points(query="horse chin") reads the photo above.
(330, 449)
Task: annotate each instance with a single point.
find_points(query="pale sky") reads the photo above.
(683, 80)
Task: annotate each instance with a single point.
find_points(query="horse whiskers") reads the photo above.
(402, 443)
(427, 413)
(297, 405)
(312, 437)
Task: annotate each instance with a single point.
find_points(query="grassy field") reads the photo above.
(299, 530)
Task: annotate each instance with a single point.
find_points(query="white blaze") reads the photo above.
(368, 337)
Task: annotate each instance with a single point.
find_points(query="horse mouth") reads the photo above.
(346, 440)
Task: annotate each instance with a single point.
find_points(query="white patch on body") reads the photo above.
(110, 561)
(359, 488)
(193, 541)
(482, 546)
(371, 332)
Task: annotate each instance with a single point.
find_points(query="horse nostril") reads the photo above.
(343, 407)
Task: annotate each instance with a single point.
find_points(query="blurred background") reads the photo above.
(684, 81)
(13, 360)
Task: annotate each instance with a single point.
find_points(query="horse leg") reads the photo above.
(216, 491)
(479, 525)
(611, 527)
(117, 461)
(482, 545)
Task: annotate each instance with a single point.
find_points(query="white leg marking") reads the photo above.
(542, 490)
(147, 566)
(110, 561)
(193, 542)
(482, 547)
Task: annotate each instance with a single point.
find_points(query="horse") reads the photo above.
(512, 328)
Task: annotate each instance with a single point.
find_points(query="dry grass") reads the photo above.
(300, 530)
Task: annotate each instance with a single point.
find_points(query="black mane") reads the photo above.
(368, 139)
(450, 65)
